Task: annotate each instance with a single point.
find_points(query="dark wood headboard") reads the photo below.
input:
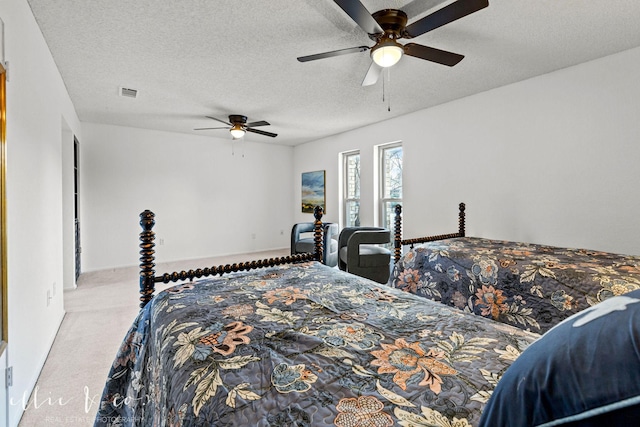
(399, 242)
(148, 277)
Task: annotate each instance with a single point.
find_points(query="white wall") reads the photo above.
(207, 201)
(551, 160)
(37, 105)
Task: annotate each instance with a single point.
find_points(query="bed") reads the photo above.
(529, 286)
(584, 370)
(292, 342)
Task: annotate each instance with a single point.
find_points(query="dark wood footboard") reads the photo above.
(399, 242)
(148, 277)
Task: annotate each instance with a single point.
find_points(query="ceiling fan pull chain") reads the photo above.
(383, 86)
(389, 89)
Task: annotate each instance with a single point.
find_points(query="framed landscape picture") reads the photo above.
(313, 191)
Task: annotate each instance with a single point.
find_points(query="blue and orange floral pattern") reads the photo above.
(533, 287)
(407, 361)
(305, 345)
(355, 335)
(296, 378)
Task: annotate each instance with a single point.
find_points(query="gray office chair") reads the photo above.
(301, 243)
(359, 254)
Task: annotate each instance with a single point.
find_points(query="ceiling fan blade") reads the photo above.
(218, 120)
(333, 53)
(432, 54)
(373, 74)
(261, 132)
(360, 15)
(447, 14)
(260, 123)
(210, 128)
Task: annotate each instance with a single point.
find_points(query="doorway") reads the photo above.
(70, 150)
(76, 205)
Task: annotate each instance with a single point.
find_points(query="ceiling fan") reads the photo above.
(387, 26)
(238, 125)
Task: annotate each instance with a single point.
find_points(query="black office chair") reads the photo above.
(301, 243)
(359, 253)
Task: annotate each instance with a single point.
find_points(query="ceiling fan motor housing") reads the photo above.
(392, 21)
(237, 119)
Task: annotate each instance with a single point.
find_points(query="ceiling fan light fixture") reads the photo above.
(237, 131)
(387, 53)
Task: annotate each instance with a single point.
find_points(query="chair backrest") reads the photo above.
(298, 229)
(330, 231)
(359, 254)
(347, 232)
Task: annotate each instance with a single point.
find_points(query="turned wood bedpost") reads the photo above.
(317, 233)
(461, 206)
(147, 257)
(397, 235)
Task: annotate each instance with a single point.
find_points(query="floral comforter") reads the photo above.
(529, 286)
(304, 345)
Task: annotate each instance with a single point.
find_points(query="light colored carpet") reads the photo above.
(98, 314)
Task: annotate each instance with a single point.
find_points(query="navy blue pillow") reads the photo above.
(583, 372)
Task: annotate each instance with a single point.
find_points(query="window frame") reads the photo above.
(346, 200)
(383, 200)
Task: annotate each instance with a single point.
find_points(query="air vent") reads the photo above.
(128, 93)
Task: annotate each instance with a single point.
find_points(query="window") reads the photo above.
(390, 173)
(351, 179)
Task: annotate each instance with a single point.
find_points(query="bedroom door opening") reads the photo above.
(70, 208)
(76, 204)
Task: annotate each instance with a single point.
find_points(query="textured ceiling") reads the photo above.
(193, 58)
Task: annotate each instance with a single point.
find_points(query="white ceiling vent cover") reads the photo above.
(128, 93)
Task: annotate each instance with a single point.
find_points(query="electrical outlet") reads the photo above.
(9, 376)
(161, 242)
